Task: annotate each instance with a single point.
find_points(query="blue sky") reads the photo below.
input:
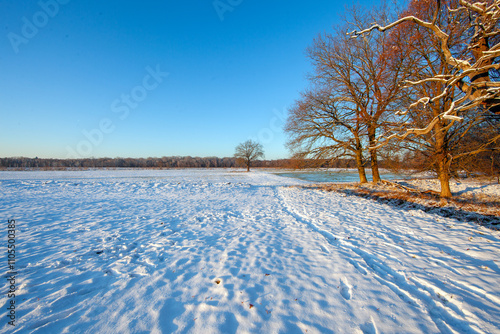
(152, 78)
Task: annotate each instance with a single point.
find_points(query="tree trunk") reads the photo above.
(442, 162)
(444, 179)
(373, 154)
(493, 166)
(359, 162)
(248, 165)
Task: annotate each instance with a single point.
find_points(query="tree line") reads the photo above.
(167, 162)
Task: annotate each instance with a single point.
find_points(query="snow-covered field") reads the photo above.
(216, 251)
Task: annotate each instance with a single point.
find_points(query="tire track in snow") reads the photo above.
(447, 319)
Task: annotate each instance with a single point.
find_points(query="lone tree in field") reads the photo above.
(248, 152)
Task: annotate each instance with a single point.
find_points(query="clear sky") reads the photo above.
(152, 78)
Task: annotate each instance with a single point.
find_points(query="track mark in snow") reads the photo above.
(38, 325)
(358, 266)
(444, 264)
(369, 327)
(325, 249)
(445, 315)
(478, 291)
(345, 289)
(454, 308)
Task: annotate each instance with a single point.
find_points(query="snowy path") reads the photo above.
(222, 252)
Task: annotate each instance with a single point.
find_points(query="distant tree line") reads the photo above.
(417, 160)
(164, 162)
(170, 162)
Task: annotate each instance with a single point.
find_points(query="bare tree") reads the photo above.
(423, 51)
(479, 152)
(473, 74)
(322, 126)
(450, 80)
(379, 92)
(248, 152)
(356, 86)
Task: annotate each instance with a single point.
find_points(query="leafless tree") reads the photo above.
(356, 86)
(248, 152)
(480, 149)
(378, 93)
(424, 53)
(322, 126)
(451, 80)
(473, 74)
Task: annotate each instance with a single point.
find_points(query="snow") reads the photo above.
(218, 251)
(466, 186)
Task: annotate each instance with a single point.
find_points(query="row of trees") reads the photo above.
(170, 162)
(164, 162)
(423, 87)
